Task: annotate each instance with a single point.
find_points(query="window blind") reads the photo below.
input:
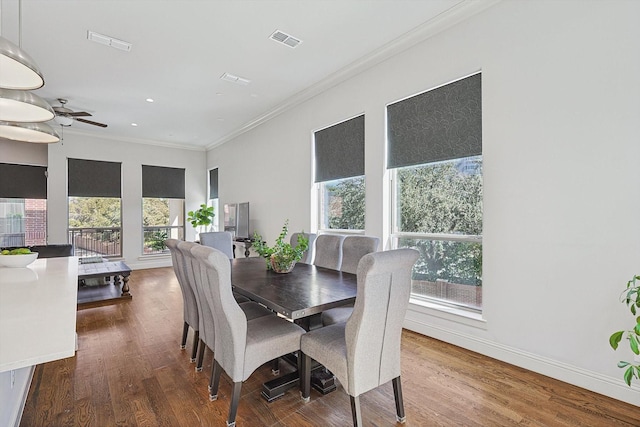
(93, 178)
(23, 181)
(442, 124)
(339, 150)
(162, 182)
(213, 183)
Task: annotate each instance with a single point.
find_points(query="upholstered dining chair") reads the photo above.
(328, 252)
(206, 319)
(353, 249)
(189, 305)
(307, 258)
(241, 344)
(221, 240)
(364, 352)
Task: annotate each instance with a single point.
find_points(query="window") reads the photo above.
(339, 175)
(95, 211)
(23, 205)
(162, 207)
(213, 194)
(435, 157)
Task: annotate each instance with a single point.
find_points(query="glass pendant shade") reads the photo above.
(28, 132)
(23, 106)
(19, 70)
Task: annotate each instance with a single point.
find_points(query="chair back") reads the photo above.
(307, 257)
(192, 273)
(221, 240)
(373, 332)
(229, 320)
(190, 306)
(328, 252)
(354, 248)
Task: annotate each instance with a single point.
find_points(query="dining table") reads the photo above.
(301, 296)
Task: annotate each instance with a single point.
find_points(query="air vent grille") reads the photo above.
(284, 38)
(235, 79)
(108, 41)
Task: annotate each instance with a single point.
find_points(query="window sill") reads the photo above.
(154, 256)
(454, 314)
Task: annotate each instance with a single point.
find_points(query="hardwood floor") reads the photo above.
(129, 371)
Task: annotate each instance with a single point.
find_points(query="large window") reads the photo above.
(435, 157)
(162, 207)
(23, 205)
(339, 175)
(95, 211)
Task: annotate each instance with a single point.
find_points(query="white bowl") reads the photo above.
(17, 260)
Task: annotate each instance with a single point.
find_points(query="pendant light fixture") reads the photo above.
(29, 132)
(21, 112)
(19, 71)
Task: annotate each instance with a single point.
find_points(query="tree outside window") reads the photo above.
(343, 204)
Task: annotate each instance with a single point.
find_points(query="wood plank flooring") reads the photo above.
(129, 371)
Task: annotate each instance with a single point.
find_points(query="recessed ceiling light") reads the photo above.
(149, 100)
(134, 124)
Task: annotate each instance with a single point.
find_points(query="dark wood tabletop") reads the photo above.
(306, 291)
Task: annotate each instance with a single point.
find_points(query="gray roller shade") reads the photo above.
(23, 181)
(441, 124)
(162, 182)
(339, 150)
(93, 178)
(213, 183)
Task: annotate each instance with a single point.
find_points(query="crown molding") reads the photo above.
(462, 11)
(133, 140)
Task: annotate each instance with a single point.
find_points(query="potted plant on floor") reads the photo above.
(631, 297)
(282, 257)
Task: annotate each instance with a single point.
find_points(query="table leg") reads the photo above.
(125, 286)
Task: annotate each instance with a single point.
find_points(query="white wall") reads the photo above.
(22, 153)
(132, 156)
(562, 180)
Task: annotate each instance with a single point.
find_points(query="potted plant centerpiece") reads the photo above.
(631, 297)
(281, 257)
(202, 217)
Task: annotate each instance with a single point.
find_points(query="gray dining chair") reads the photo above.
(189, 305)
(221, 240)
(353, 249)
(206, 319)
(364, 352)
(241, 344)
(328, 251)
(307, 257)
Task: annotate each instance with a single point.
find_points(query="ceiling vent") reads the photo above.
(235, 79)
(285, 39)
(109, 41)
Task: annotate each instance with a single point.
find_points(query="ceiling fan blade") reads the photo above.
(79, 114)
(89, 122)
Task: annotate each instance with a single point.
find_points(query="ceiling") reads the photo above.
(180, 49)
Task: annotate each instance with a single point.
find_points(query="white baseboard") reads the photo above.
(593, 381)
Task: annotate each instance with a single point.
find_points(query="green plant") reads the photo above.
(157, 241)
(631, 297)
(281, 256)
(201, 217)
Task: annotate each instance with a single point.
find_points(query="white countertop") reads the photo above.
(38, 312)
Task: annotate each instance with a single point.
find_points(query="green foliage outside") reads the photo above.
(443, 198)
(94, 212)
(346, 204)
(155, 212)
(631, 297)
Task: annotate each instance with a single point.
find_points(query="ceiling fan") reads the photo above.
(65, 116)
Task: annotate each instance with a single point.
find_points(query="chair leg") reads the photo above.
(214, 382)
(185, 331)
(397, 393)
(355, 411)
(304, 369)
(235, 399)
(196, 339)
(201, 347)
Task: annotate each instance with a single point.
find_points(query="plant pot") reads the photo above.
(280, 265)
